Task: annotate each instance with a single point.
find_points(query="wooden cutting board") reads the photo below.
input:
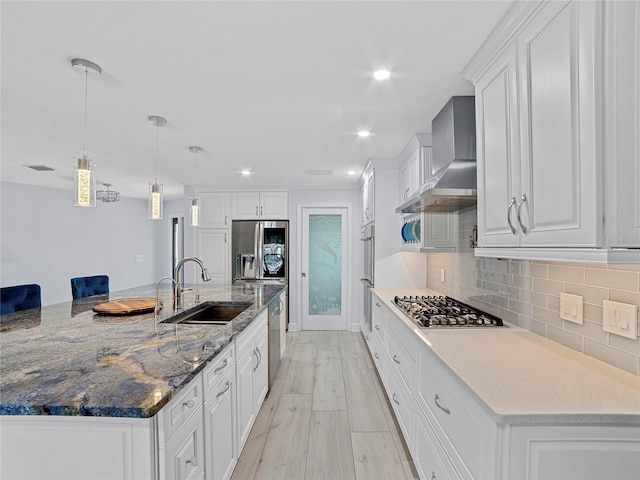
(126, 306)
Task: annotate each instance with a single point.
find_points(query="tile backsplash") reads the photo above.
(527, 293)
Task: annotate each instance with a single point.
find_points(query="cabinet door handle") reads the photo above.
(255, 352)
(227, 386)
(393, 397)
(433, 475)
(444, 409)
(225, 220)
(376, 355)
(192, 461)
(256, 210)
(523, 199)
(509, 207)
(188, 404)
(377, 327)
(225, 237)
(221, 367)
(377, 304)
(395, 359)
(259, 355)
(260, 210)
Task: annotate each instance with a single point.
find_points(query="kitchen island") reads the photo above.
(118, 380)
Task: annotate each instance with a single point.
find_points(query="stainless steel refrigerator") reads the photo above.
(260, 253)
(260, 250)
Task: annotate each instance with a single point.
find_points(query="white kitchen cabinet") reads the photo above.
(284, 315)
(538, 178)
(252, 376)
(220, 426)
(368, 197)
(415, 165)
(429, 458)
(214, 210)
(557, 119)
(622, 124)
(91, 448)
(497, 150)
(573, 451)
(260, 205)
(214, 250)
(439, 231)
(183, 457)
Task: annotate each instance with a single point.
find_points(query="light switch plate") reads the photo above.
(571, 308)
(620, 318)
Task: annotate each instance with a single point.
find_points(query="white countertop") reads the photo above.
(523, 377)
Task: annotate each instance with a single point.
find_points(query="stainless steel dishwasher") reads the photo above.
(275, 311)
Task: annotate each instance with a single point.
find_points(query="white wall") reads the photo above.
(46, 240)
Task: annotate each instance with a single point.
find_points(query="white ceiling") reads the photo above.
(280, 88)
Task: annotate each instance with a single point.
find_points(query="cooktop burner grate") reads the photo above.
(440, 311)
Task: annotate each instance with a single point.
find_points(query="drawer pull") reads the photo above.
(444, 409)
(192, 461)
(367, 337)
(377, 304)
(377, 327)
(433, 475)
(393, 397)
(221, 367)
(395, 359)
(255, 352)
(376, 355)
(226, 389)
(187, 404)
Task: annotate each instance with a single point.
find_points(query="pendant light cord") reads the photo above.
(157, 135)
(86, 101)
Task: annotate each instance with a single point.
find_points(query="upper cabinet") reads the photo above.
(214, 210)
(259, 205)
(368, 194)
(622, 123)
(540, 131)
(415, 163)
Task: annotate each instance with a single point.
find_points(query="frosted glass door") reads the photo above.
(324, 266)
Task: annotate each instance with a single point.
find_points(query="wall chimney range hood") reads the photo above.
(450, 183)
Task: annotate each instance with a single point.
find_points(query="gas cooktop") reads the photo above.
(440, 311)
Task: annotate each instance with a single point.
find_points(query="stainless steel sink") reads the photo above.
(211, 313)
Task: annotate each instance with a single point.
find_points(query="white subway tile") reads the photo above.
(592, 295)
(614, 357)
(550, 287)
(566, 274)
(565, 338)
(617, 279)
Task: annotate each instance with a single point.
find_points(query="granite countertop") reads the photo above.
(66, 360)
(524, 378)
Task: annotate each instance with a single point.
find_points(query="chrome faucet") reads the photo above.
(205, 278)
(175, 286)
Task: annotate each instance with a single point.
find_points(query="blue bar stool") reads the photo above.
(19, 297)
(88, 286)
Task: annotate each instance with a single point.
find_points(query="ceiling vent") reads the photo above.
(320, 172)
(40, 168)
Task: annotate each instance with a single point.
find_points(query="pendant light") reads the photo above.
(155, 190)
(85, 170)
(194, 212)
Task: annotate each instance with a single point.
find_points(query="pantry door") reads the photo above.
(325, 301)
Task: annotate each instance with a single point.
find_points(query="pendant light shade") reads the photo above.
(84, 178)
(194, 211)
(155, 189)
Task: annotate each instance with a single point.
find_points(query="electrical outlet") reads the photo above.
(571, 308)
(620, 318)
(442, 275)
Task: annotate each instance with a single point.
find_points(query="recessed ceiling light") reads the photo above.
(364, 133)
(246, 172)
(381, 74)
(351, 172)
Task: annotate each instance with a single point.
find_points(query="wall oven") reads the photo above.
(368, 247)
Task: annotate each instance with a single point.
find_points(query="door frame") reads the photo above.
(348, 251)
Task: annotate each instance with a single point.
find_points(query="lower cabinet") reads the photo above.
(451, 434)
(183, 458)
(220, 429)
(252, 375)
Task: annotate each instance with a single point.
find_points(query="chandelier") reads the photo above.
(108, 196)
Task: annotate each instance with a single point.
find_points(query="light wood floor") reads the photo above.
(326, 417)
